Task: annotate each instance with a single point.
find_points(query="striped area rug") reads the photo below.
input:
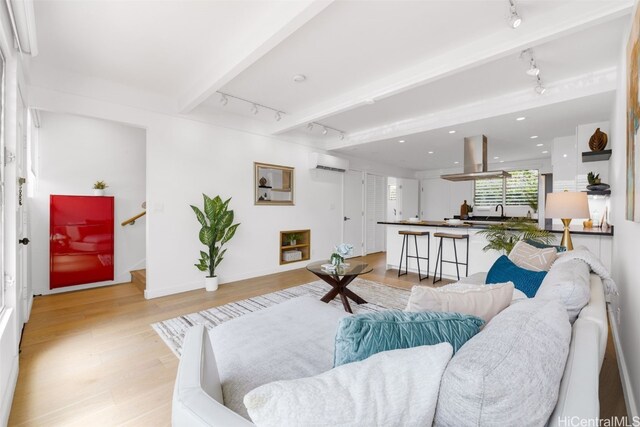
(378, 296)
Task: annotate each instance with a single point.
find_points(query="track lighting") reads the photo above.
(325, 129)
(255, 107)
(540, 89)
(533, 68)
(514, 19)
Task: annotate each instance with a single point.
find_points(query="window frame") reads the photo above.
(504, 190)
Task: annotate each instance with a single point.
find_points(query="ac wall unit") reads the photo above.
(327, 162)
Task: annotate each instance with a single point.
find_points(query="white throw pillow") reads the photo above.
(398, 387)
(531, 258)
(482, 301)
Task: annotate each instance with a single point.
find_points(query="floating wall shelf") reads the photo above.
(596, 156)
(599, 193)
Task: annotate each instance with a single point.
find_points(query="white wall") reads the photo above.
(186, 158)
(626, 269)
(73, 153)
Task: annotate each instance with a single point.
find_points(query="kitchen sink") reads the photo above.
(489, 219)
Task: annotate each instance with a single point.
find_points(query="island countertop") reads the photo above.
(575, 229)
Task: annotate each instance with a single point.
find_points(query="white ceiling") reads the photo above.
(419, 60)
(508, 138)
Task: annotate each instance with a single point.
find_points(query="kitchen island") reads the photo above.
(596, 240)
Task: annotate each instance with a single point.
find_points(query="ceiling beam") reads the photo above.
(573, 88)
(217, 77)
(534, 31)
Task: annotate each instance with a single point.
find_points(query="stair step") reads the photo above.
(139, 278)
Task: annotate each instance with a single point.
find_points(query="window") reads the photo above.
(519, 190)
(392, 192)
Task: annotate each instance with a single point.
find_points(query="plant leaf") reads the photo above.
(207, 236)
(204, 255)
(231, 231)
(210, 209)
(199, 215)
(201, 267)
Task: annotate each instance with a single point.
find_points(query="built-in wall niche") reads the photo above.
(273, 184)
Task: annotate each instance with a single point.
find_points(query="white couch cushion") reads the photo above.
(392, 388)
(481, 301)
(569, 283)
(508, 374)
(291, 340)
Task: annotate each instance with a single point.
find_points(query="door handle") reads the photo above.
(346, 218)
(24, 241)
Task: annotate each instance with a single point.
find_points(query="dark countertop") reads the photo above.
(575, 229)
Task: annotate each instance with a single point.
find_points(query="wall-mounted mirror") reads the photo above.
(273, 184)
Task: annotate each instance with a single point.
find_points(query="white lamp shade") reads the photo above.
(567, 204)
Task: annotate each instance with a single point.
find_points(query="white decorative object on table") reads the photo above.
(339, 252)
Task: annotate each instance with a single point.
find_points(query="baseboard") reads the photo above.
(184, 287)
(627, 390)
(7, 398)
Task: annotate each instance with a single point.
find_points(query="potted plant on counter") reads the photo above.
(217, 229)
(502, 237)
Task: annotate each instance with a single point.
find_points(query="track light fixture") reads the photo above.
(540, 89)
(325, 129)
(514, 19)
(255, 107)
(527, 56)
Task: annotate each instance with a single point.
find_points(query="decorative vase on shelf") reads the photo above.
(211, 283)
(98, 192)
(598, 140)
(336, 260)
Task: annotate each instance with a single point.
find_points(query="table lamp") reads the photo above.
(567, 206)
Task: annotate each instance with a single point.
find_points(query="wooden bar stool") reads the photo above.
(440, 256)
(405, 251)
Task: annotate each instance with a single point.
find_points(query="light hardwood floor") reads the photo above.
(90, 358)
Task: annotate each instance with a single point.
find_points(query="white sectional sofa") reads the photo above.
(199, 399)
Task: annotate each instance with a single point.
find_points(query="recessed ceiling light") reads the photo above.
(452, 131)
(545, 152)
(539, 145)
(501, 161)
(430, 152)
(520, 118)
(533, 136)
(456, 163)
(299, 78)
(401, 141)
(564, 155)
(496, 158)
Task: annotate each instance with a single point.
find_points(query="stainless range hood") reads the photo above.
(475, 162)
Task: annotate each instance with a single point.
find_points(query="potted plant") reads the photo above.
(291, 239)
(98, 188)
(339, 253)
(217, 229)
(593, 178)
(502, 237)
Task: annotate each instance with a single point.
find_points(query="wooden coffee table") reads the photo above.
(339, 279)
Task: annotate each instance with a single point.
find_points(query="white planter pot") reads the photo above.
(211, 283)
(97, 192)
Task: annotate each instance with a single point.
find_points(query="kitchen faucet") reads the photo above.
(501, 209)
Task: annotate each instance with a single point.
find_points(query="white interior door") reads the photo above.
(21, 215)
(407, 195)
(375, 211)
(353, 224)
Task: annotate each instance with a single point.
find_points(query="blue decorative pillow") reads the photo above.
(539, 245)
(504, 270)
(364, 335)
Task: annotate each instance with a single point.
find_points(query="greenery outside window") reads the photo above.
(521, 189)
